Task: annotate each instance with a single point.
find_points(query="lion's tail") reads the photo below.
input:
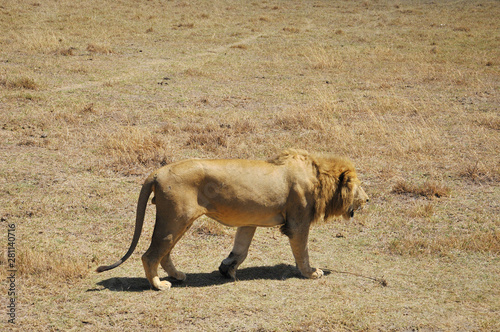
(146, 190)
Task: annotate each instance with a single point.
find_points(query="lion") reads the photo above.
(293, 190)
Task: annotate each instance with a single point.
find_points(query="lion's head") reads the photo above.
(339, 191)
(359, 198)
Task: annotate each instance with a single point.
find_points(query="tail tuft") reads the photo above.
(101, 268)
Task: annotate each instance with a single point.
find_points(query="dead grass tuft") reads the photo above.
(51, 265)
(211, 137)
(243, 126)
(66, 51)
(298, 121)
(39, 40)
(291, 29)
(425, 210)
(201, 128)
(490, 122)
(27, 83)
(321, 58)
(168, 128)
(227, 126)
(197, 73)
(442, 244)
(131, 146)
(89, 109)
(428, 189)
(208, 141)
(99, 49)
(475, 172)
(240, 46)
(184, 26)
(462, 29)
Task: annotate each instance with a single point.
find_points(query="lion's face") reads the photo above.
(360, 198)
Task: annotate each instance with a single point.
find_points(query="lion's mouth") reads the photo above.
(349, 214)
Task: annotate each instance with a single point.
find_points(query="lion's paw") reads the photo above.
(228, 271)
(161, 285)
(179, 276)
(164, 285)
(317, 274)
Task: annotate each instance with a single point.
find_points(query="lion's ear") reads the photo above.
(345, 179)
(342, 178)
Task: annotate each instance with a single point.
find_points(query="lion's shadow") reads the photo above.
(277, 272)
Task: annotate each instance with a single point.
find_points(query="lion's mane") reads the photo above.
(335, 178)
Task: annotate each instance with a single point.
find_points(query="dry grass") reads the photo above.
(210, 141)
(300, 120)
(476, 172)
(130, 146)
(99, 49)
(484, 241)
(95, 96)
(209, 227)
(322, 58)
(36, 264)
(427, 189)
(19, 83)
(66, 51)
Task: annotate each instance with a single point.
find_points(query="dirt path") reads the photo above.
(144, 65)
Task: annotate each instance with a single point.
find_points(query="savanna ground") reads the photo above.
(96, 94)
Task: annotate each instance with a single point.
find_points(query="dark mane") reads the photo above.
(336, 176)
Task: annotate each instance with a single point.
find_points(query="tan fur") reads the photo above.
(292, 190)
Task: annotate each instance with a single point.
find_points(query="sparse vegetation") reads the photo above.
(19, 83)
(99, 49)
(93, 97)
(61, 268)
(421, 244)
(130, 146)
(427, 189)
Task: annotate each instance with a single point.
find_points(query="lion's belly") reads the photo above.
(238, 218)
(244, 193)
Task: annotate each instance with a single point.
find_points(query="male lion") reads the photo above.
(293, 190)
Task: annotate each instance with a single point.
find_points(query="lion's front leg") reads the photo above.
(242, 240)
(298, 242)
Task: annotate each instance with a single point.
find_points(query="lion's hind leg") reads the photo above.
(169, 267)
(151, 268)
(151, 260)
(168, 230)
(242, 240)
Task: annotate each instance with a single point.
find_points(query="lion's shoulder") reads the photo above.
(290, 154)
